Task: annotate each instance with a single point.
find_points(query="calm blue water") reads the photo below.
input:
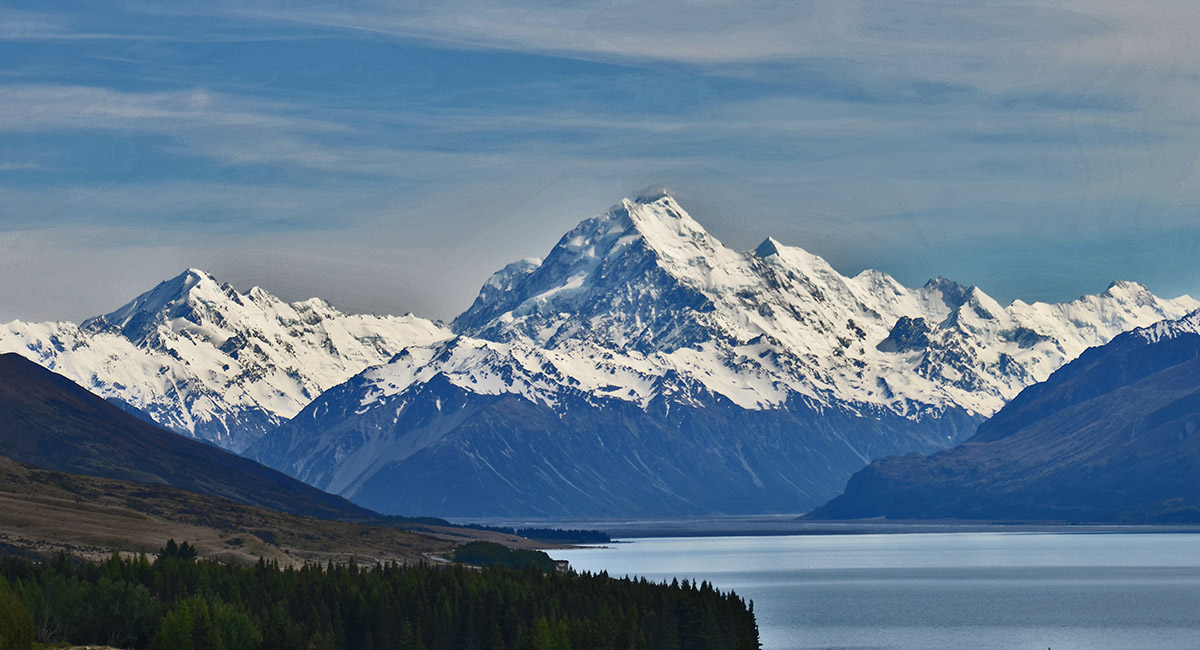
(941, 591)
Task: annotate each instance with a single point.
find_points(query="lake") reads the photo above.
(940, 591)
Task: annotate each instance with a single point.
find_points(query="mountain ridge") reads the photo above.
(641, 312)
(637, 318)
(200, 358)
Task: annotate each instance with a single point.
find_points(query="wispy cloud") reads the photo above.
(734, 31)
(874, 132)
(716, 31)
(37, 107)
(18, 24)
(19, 166)
(231, 130)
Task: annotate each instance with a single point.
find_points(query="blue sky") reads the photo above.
(389, 156)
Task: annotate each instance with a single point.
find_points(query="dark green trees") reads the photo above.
(491, 554)
(177, 602)
(16, 625)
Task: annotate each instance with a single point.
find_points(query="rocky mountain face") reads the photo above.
(644, 368)
(204, 360)
(1112, 436)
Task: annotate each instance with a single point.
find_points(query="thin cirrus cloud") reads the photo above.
(233, 130)
(719, 32)
(1097, 33)
(28, 107)
(927, 138)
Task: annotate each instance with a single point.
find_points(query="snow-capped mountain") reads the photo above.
(644, 367)
(202, 359)
(1109, 436)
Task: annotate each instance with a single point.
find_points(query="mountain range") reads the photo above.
(199, 358)
(641, 368)
(644, 368)
(1112, 436)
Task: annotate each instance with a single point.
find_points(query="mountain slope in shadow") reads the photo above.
(1111, 436)
(49, 422)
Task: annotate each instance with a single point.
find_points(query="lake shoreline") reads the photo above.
(948, 591)
(791, 524)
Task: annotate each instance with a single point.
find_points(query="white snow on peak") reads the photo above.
(641, 302)
(203, 359)
(160, 297)
(1170, 329)
(683, 246)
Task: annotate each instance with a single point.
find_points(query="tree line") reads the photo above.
(176, 602)
(562, 535)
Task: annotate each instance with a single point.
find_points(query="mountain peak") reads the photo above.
(1126, 284)
(768, 248)
(1120, 288)
(132, 318)
(314, 304)
(945, 284)
(185, 281)
(953, 294)
(677, 239)
(650, 244)
(658, 209)
(653, 195)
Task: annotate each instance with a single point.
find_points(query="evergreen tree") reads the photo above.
(16, 624)
(177, 630)
(179, 603)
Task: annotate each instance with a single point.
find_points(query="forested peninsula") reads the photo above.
(176, 602)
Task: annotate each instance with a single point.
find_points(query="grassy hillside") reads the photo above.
(50, 422)
(43, 511)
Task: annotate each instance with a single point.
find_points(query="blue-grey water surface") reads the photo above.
(941, 591)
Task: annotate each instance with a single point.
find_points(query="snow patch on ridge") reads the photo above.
(1164, 330)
